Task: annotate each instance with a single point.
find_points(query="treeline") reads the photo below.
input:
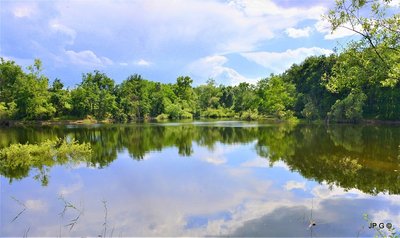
(310, 90)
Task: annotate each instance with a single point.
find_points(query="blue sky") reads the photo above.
(231, 41)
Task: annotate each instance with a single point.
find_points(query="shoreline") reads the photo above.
(12, 123)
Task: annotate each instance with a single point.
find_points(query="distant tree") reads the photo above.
(309, 78)
(349, 108)
(60, 98)
(208, 95)
(227, 96)
(31, 94)
(245, 97)
(278, 96)
(9, 72)
(134, 98)
(94, 96)
(186, 97)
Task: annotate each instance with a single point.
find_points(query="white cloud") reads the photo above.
(214, 67)
(58, 27)
(280, 61)
(256, 163)
(215, 160)
(394, 3)
(36, 205)
(325, 191)
(73, 188)
(218, 155)
(143, 62)
(298, 33)
(213, 26)
(386, 216)
(27, 9)
(324, 27)
(260, 8)
(291, 184)
(87, 58)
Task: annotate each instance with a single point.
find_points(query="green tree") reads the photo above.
(278, 97)
(227, 96)
(60, 98)
(94, 96)
(245, 97)
(9, 72)
(208, 95)
(31, 94)
(186, 97)
(378, 24)
(309, 77)
(349, 108)
(134, 98)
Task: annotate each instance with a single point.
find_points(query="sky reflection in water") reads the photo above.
(221, 188)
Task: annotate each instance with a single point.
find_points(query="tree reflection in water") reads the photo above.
(349, 156)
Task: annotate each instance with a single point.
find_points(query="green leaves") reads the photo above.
(350, 108)
(94, 96)
(377, 24)
(17, 159)
(277, 97)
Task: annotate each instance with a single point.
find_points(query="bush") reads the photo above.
(310, 112)
(217, 113)
(249, 115)
(174, 111)
(186, 115)
(162, 117)
(349, 108)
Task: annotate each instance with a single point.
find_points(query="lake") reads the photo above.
(205, 178)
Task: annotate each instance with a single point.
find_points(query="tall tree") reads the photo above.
(208, 95)
(278, 97)
(60, 98)
(134, 97)
(245, 97)
(94, 96)
(31, 94)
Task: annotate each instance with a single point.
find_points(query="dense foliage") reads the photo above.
(365, 157)
(17, 159)
(361, 82)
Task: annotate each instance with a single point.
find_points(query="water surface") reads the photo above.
(205, 178)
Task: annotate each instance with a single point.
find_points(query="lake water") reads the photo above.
(206, 179)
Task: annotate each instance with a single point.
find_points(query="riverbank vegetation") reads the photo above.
(360, 82)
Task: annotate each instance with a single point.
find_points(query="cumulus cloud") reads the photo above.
(290, 185)
(58, 27)
(256, 163)
(239, 25)
(324, 27)
(280, 61)
(218, 156)
(73, 188)
(298, 33)
(87, 58)
(386, 216)
(36, 205)
(24, 9)
(394, 3)
(143, 62)
(324, 191)
(214, 67)
(267, 7)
